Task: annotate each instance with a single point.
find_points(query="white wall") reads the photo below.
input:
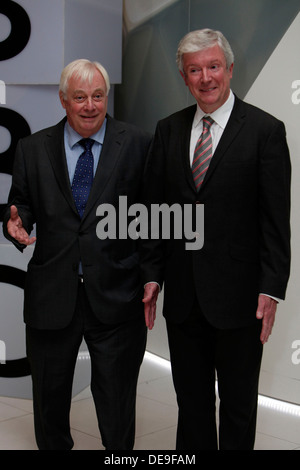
(273, 91)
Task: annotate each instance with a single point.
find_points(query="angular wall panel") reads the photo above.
(273, 91)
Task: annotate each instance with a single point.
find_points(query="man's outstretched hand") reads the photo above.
(16, 230)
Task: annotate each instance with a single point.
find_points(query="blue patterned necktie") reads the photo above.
(83, 177)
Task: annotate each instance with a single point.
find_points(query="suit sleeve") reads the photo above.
(153, 250)
(19, 196)
(275, 182)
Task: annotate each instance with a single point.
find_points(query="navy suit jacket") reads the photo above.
(42, 193)
(246, 197)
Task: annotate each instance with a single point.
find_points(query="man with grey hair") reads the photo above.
(78, 286)
(219, 301)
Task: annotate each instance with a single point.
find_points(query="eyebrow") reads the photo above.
(212, 61)
(94, 91)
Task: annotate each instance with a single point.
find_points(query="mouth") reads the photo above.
(88, 118)
(208, 90)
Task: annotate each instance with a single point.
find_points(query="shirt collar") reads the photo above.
(73, 136)
(220, 116)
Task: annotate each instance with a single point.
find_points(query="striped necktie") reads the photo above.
(203, 153)
(83, 177)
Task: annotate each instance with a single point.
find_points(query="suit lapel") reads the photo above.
(185, 132)
(109, 156)
(56, 151)
(233, 127)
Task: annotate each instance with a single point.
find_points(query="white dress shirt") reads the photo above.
(220, 117)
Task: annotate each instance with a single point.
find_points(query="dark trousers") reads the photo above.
(199, 354)
(116, 353)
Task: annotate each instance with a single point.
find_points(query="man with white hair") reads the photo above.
(219, 301)
(78, 285)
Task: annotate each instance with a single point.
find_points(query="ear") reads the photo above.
(62, 100)
(184, 77)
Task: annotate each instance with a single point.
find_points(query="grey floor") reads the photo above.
(278, 426)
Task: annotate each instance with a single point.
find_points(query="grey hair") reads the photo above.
(84, 69)
(202, 39)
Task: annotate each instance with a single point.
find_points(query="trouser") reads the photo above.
(199, 353)
(116, 353)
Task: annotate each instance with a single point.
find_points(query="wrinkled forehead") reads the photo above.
(93, 80)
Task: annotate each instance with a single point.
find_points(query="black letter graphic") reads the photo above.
(20, 29)
(18, 128)
(17, 367)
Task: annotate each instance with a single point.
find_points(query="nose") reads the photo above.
(206, 76)
(89, 104)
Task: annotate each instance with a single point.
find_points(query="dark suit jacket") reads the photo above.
(41, 190)
(246, 197)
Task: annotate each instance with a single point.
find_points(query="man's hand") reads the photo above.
(151, 292)
(16, 230)
(266, 311)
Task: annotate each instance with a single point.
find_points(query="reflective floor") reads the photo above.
(277, 429)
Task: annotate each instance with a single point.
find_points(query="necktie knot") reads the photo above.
(207, 122)
(87, 144)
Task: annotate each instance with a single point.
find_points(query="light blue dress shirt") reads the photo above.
(73, 149)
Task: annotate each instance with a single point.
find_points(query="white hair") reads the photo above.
(84, 69)
(202, 39)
